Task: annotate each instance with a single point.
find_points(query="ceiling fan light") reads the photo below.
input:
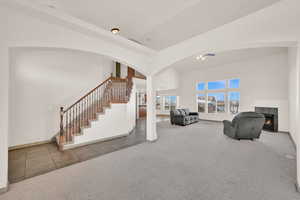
(199, 57)
(210, 54)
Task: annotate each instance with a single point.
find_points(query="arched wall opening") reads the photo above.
(19, 30)
(268, 80)
(44, 79)
(170, 58)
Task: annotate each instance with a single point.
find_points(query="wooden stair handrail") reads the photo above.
(87, 94)
(86, 108)
(108, 79)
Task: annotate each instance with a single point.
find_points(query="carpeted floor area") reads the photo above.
(186, 163)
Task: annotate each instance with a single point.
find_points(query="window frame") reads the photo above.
(205, 103)
(164, 99)
(226, 91)
(158, 102)
(226, 85)
(228, 100)
(205, 86)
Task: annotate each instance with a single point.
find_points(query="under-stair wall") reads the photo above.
(107, 111)
(117, 120)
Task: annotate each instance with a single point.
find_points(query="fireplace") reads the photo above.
(271, 115)
(269, 123)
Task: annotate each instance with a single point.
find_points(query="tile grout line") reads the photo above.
(76, 154)
(25, 168)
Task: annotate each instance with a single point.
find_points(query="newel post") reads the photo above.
(61, 132)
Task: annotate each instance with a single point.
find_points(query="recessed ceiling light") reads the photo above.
(115, 30)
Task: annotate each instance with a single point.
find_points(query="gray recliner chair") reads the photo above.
(246, 125)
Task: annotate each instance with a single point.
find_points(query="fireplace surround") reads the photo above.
(271, 115)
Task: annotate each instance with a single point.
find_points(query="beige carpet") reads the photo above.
(186, 163)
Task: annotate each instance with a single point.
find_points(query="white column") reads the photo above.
(4, 97)
(298, 167)
(296, 121)
(151, 110)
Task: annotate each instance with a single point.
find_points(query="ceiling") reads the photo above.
(223, 58)
(158, 23)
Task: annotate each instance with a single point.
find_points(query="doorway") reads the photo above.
(141, 105)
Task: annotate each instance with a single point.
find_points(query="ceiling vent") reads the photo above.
(203, 57)
(133, 40)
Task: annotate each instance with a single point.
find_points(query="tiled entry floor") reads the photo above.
(32, 161)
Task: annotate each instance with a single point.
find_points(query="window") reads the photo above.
(211, 103)
(173, 102)
(166, 103)
(216, 102)
(201, 100)
(158, 103)
(234, 102)
(216, 85)
(225, 98)
(220, 102)
(234, 83)
(201, 86)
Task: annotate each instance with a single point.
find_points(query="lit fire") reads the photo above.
(268, 122)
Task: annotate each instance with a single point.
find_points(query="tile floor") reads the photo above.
(32, 161)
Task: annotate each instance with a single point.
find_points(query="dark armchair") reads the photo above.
(183, 117)
(246, 125)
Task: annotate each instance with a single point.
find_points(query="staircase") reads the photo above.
(83, 112)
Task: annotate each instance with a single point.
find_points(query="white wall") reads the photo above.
(166, 80)
(4, 110)
(166, 83)
(293, 92)
(294, 101)
(42, 80)
(124, 70)
(263, 82)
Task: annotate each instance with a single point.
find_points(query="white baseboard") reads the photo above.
(293, 141)
(72, 146)
(297, 187)
(3, 190)
(22, 146)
